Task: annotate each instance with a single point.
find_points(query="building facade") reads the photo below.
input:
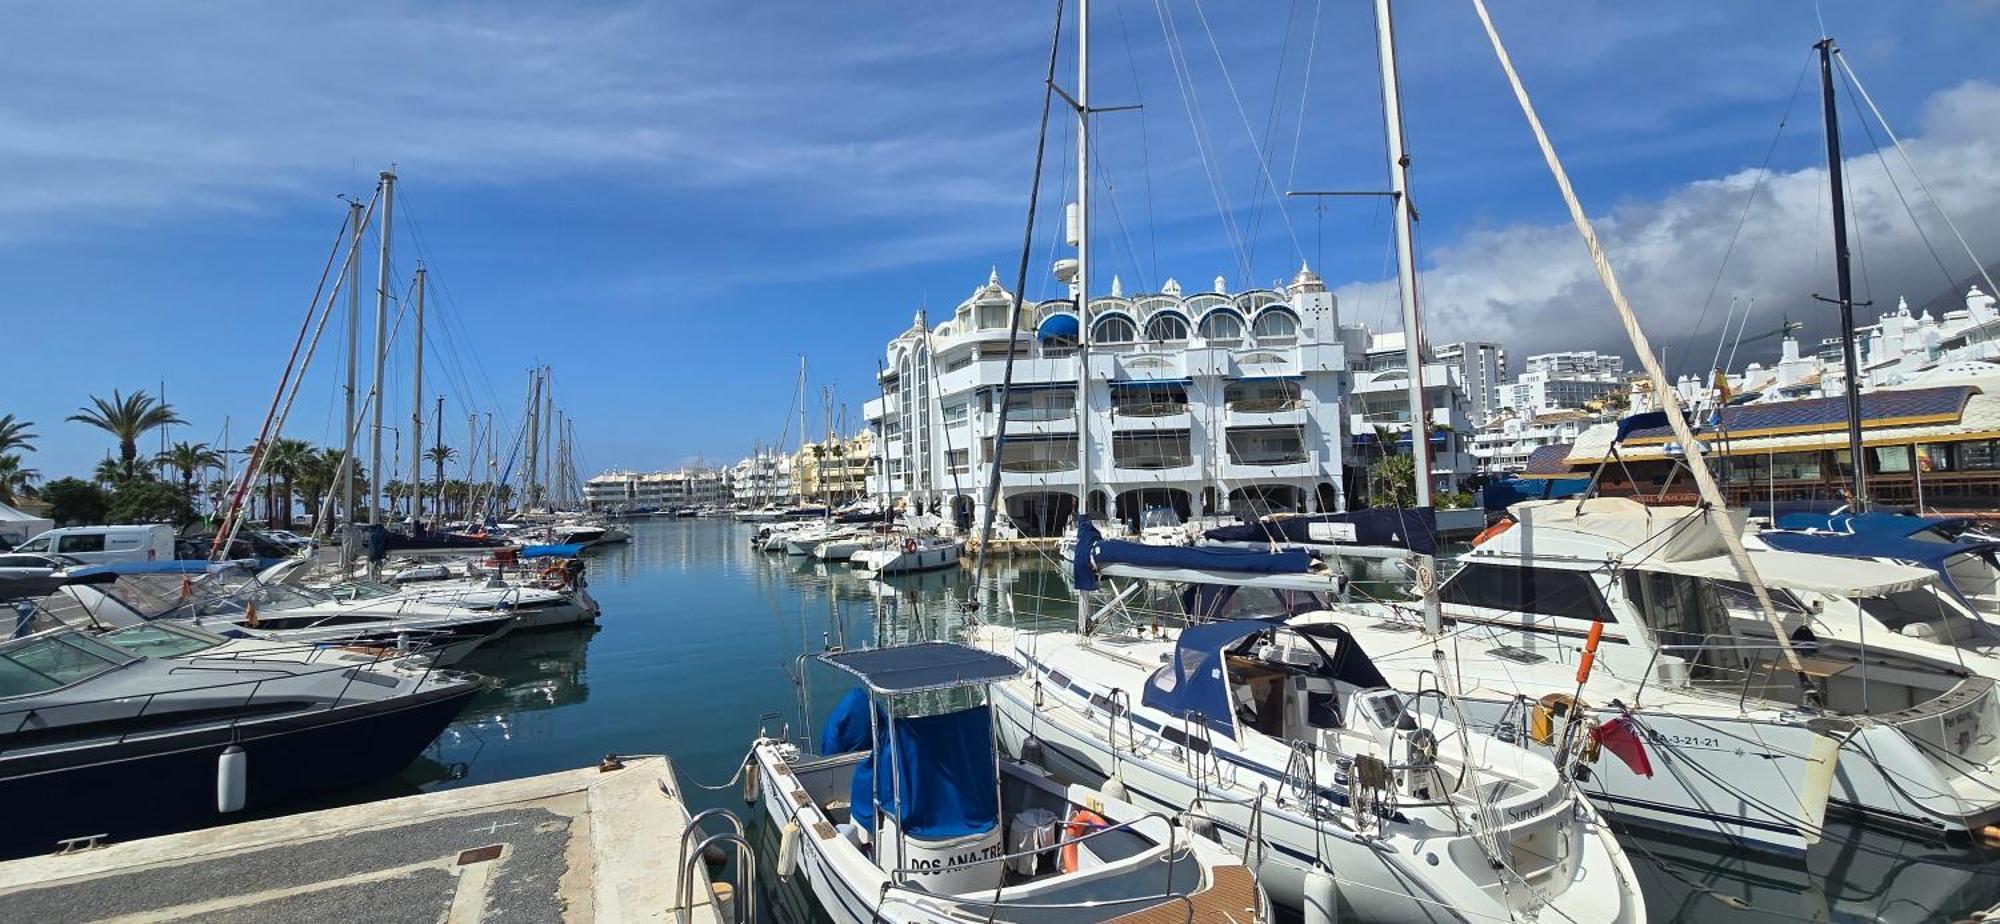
(626, 490)
(762, 478)
(834, 471)
(1482, 368)
(1206, 404)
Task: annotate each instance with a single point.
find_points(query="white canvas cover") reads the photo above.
(1638, 532)
(1840, 577)
(17, 526)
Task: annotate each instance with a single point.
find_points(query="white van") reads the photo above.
(104, 544)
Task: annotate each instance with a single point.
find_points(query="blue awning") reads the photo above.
(937, 779)
(1057, 326)
(1196, 682)
(923, 666)
(568, 550)
(1292, 377)
(1153, 383)
(1033, 386)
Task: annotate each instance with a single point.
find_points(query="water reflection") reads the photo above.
(700, 646)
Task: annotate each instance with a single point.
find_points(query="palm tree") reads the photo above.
(14, 434)
(128, 417)
(190, 459)
(15, 478)
(108, 472)
(439, 455)
(286, 460)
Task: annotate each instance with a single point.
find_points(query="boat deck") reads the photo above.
(580, 845)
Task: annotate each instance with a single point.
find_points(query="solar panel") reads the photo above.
(1878, 409)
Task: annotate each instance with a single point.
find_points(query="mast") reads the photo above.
(1406, 278)
(355, 211)
(417, 409)
(381, 351)
(799, 475)
(534, 438)
(438, 425)
(549, 424)
(1843, 277)
(1082, 287)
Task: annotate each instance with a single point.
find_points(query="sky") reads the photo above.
(671, 203)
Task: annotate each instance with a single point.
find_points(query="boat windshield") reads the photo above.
(360, 590)
(1159, 517)
(46, 663)
(161, 640)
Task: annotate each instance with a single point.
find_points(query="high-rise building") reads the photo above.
(1482, 369)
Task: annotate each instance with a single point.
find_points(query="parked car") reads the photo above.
(28, 565)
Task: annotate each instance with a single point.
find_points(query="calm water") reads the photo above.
(701, 635)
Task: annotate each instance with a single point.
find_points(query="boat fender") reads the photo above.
(909, 546)
(1494, 530)
(750, 783)
(1199, 824)
(1322, 897)
(788, 850)
(1114, 788)
(1553, 706)
(1081, 822)
(232, 779)
(1031, 751)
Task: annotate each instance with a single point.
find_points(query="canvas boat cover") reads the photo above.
(934, 774)
(1807, 572)
(1095, 555)
(904, 669)
(1196, 683)
(1414, 529)
(1637, 531)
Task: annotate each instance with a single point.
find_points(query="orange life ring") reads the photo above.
(1491, 531)
(909, 546)
(555, 576)
(1081, 822)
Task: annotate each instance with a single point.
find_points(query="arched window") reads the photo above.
(1167, 326)
(1275, 322)
(1113, 329)
(1222, 325)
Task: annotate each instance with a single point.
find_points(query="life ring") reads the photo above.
(1489, 532)
(909, 546)
(1081, 822)
(555, 576)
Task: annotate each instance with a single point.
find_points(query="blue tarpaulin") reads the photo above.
(943, 767)
(1196, 683)
(1502, 493)
(1414, 528)
(1200, 558)
(569, 550)
(846, 728)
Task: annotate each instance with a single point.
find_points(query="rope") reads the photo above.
(1668, 399)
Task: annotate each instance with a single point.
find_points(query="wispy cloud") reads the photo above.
(1532, 287)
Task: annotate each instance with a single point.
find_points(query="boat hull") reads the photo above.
(143, 786)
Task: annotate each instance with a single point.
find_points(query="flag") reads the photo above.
(1621, 736)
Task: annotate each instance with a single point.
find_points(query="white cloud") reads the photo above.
(1531, 286)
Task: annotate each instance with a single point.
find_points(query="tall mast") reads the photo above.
(1082, 286)
(417, 408)
(548, 437)
(1858, 465)
(347, 539)
(381, 350)
(1406, 278)
(799, 475)
(534, 438)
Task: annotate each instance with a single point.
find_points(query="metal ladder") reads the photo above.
(744, 889)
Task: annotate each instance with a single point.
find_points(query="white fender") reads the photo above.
(232, 779)
(750, 782)
(1322, 897)
(788, 850)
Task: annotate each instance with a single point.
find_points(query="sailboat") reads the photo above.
(1349, 798)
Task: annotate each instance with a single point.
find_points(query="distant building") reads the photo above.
(1580, 364)
(834, 471)
(1536, 394)
(626, 490)
(1205, 403)
(1482, 367)
(1381, 399)
(762, 478)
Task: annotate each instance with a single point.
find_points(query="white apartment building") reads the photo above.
(762, 478)
(1506, 445)
(1482, 367)
(1536, 394)
(626, 490)
(1579, 364)
(1204, 403)
(1381, 399)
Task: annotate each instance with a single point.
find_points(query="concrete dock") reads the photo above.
(580, 845)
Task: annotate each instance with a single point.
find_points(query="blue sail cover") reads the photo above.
(1196, 683)
(1882, 542)
(1199, 558)
(846, 728)
(1080, 570)
(943, 765)
(1414, 528)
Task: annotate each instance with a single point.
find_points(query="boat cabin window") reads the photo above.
(159, 641)
(1539, 591)
(1688, 615)
(54, 661)
(1919, 613)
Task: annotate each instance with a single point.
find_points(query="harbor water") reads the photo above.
(702, 639)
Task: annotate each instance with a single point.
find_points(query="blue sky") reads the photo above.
(669, 203)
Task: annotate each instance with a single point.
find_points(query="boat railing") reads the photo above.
(354, 670)
(1701, 656)
(1173, 848)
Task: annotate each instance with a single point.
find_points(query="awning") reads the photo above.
(1153, 383)
(1292, 377)
(1812, 573)
(923, 666)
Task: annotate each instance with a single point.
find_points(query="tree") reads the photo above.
(127, 417)
(14, 434)
(190, 459)
(438, 455)
(16, 479)
(144, 500)
(1392, 481)
(108, 472)
(74, 501)
(286, 459)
